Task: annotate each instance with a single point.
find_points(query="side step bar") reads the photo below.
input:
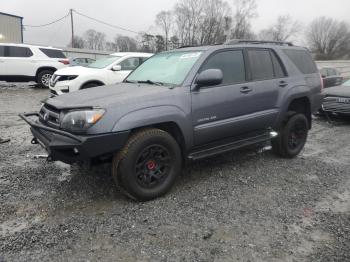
(219, 149)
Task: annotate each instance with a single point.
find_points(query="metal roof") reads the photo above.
(1, 13)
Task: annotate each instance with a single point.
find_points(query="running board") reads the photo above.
(222, 148)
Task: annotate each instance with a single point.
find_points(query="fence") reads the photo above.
(77, 52)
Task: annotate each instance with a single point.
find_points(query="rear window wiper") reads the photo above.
(150, 82)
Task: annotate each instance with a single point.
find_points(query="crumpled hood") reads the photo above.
(112, 95)
(76, 70)
(337, 91)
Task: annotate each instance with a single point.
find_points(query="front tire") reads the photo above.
(147, 166)
(292, 137)
(43, 78)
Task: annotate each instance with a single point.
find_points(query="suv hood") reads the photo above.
(112, 95)
(337, 91)
(76, 70)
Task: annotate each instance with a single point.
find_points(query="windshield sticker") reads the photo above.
(190, 55)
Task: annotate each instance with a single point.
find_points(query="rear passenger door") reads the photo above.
(18, 61)
(267, 79)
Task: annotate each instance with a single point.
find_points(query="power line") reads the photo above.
(53, 22)
(105, 23)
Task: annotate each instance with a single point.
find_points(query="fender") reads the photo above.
(157, 115)
(293, 93)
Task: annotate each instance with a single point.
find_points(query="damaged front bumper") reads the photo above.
(69, 148)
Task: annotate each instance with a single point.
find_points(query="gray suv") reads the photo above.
(188, 103)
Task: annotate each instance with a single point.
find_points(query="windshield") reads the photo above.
(165, 68)
(104, 62)
(346, 83)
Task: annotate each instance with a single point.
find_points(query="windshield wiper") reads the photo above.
(150, 82)
(128, 81)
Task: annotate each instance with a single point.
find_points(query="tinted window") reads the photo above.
(231, 64)
(277, 66)
(17, 51)
(331, 72)
(260, 64)
(52, 53)
(302, 60)
(130, 63)
(2, 51)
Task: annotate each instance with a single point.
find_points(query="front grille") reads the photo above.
(336, 105)
(50, 116)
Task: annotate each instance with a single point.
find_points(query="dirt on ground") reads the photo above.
(247, 205)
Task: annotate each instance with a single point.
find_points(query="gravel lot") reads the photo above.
(242, 206)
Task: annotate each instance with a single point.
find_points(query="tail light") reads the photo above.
(65, 62)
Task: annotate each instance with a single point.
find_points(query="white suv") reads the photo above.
(109, 70)
(23, 63)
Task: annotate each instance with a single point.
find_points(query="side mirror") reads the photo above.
(210, 77)
(116, 68)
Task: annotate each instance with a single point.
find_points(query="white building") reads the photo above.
(11, 28)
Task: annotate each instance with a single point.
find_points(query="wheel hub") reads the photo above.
(151, 165)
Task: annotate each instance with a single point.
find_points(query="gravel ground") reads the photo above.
(243, 206)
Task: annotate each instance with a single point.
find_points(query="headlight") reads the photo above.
(80, 120)
(66, 78)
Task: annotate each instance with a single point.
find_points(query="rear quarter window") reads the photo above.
(302, 60)
(52, 53)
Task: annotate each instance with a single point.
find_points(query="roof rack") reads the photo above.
(246, 41)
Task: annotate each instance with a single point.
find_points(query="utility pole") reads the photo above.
(72, 25)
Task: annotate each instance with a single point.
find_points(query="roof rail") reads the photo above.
(246, 41)
(186, 46)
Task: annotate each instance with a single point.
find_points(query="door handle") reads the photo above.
(283, 84)
(246, 89)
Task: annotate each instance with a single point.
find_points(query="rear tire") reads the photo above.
(43, 78)
(292, 137)
(147, 166)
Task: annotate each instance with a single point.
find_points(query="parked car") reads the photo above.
(109, 70)
(81, 61)
(24, 63)
(337, 99)
(331, 77)
(188, 103)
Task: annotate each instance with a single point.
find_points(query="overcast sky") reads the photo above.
(138, 15)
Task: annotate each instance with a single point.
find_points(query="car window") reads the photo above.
(302, 60)
(331, 72)
(260, 64)
(17, 51)
(277, 66)
(231, 63)
(143, 59)
(130, 64)
(2, 51)
(52, 53)
(323, 72)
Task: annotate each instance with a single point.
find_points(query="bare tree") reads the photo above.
(216, 22)
(95, 40)
(78, 42)
(328, 38)
(125, 43)
(245, 11)
(164, 20)
(284, 29)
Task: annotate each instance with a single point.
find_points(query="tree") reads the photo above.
(245, 11)
(328, 38)
(160, 43)
(95, 40)
(78, 42)
(125, 43)
(164, 20)
(284, 29)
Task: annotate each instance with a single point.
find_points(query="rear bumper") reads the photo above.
(69, 148)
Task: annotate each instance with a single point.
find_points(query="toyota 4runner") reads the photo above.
(188, 103)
